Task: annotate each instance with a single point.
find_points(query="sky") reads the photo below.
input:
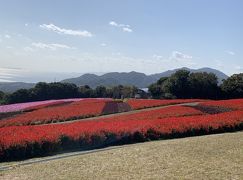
(51, 40)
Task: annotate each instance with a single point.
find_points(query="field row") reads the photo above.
(145, 103)
(33, 105)
(177, 121)
(59, 111)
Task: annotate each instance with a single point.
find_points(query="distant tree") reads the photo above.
(100, 91)
(66, 90)
(116, 92)
(156, 90)
(204, 85)
(44, 91)
(85, 91)
(56, 90)
(128, 91)
(2, 97)
(40, 91)
(178, 84)
(162, 80)
(121, 91)
(183, 84)
(21, 95)
(109, 92)
(233, 86)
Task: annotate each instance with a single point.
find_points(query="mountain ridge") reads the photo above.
(138, 79)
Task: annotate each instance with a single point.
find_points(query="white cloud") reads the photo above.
(51, 46)
(124, 27)
(181, 59)
(178, 55)
(54, 28)
(7, 36)
(157, 57)
(26, 24)
(103, 44)
(113, 23)
(230, 53)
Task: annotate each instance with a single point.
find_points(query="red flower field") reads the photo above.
(65, 111)
(18, 142)
(75, 110)
(145, 103)
(231, 104)
(176, 111)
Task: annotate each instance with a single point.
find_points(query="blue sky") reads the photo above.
(70, 37)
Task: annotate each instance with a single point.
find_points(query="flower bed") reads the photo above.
(166, 112)
(29, 105)
(30, 141)
(230, 104)
(75, 110)
(146, 103)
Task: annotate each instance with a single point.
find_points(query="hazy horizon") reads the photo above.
(16, 75)
(54, 40)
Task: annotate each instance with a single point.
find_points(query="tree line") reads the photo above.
(184, 84)
(57, 90)
(181, 84)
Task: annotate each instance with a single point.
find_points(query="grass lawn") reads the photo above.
(205, 157)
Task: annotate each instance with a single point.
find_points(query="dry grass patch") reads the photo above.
(206, 157)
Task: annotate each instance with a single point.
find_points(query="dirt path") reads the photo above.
(125, 113)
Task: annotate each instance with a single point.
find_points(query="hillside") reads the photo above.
(218, 73)
(113, 79)
(137, 79)
(14, 86)
(133, 78)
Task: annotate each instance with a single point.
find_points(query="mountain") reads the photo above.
(218, 73)
(113, 79)
(137, 79)
(14, 86)
(133, 78)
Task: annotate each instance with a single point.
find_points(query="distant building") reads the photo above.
(145, 90)
(142, 93)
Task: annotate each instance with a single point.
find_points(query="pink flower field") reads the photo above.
(23, 106)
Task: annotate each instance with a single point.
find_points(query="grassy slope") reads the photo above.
(206, 157)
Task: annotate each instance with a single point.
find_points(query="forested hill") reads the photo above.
(137, 79)
(133, 78)
(14, 86)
